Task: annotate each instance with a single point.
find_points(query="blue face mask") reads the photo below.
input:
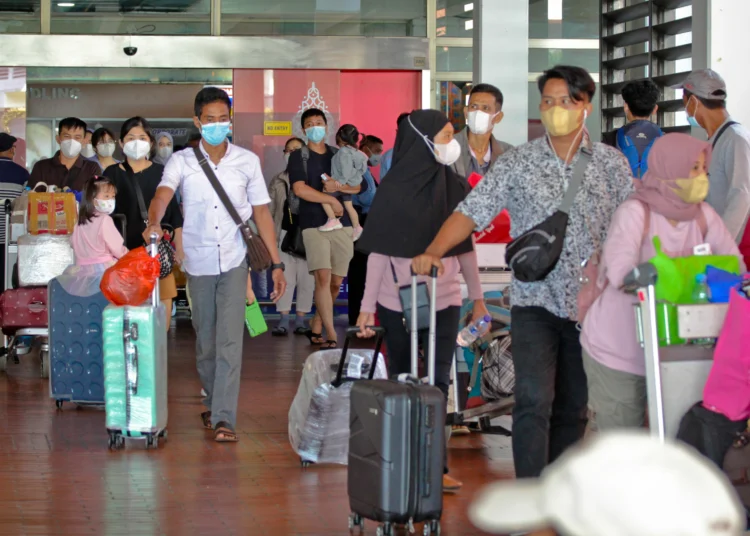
(692, 121)
(315, 134)
(215, 133)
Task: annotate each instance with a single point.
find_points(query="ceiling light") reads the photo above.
(66, 4)
(469, 25)
(469, 7)
(554, 10)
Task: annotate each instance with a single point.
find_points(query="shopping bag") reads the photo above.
(497, 232)
(132, 279)
(256, 324)
(676, 275)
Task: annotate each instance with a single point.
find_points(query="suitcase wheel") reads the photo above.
(386, 529)
(152, 441)
(431, 528)
(305, 463)
(58, 404)
(356, 521)
(163, 434)
(116, 441)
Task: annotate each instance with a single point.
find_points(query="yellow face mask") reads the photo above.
(560, 122)
(692, 191)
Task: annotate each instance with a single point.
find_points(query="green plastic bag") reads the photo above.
(676, 276)
(256, 324)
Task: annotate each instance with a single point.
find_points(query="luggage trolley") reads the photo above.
(11, 341)
(675, 374)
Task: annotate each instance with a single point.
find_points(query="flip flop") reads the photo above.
(329, 345)
(311, 335)
(301, 330)
(279, 331)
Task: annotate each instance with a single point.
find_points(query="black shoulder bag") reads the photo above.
(166, 251)
(258, 256)
(292, 244)
(534, 254)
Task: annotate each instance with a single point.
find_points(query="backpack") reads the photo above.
(638, 163)
(305, 152)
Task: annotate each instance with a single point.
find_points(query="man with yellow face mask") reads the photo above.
(530, 182)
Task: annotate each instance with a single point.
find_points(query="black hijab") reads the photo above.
(417, 196)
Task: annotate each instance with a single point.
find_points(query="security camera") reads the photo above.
(130, 51)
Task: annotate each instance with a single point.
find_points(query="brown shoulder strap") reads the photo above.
(646, 221)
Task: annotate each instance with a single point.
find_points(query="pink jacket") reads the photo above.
(609, 333)
(381, 288)
(97, 241)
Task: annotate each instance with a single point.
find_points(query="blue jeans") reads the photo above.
(551, 393)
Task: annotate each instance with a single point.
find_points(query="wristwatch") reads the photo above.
(281, 266)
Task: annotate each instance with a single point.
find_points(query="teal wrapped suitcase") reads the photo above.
(135, 372)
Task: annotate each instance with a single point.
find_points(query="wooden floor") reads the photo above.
(57, 476)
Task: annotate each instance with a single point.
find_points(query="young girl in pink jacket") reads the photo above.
(672, 192)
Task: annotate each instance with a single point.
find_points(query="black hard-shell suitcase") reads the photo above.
(397, 445)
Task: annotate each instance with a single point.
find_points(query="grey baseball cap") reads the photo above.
(706, 84)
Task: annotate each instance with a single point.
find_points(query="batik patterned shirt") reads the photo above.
(530, 182)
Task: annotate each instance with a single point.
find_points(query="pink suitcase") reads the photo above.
(23, 308)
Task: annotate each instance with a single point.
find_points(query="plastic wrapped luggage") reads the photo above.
(41, 258)
(319, 414)
(397, 444)
(23, 308)
(75, 339)
(135, 371)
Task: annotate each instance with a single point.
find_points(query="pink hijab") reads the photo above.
(671, 157)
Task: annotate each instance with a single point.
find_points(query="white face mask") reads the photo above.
(447, 153)
(106, 149)
(137, 149)
(286, 158)
(480, 122)
(105, 206)
(165, 152)
(88, 151)
(71, 148)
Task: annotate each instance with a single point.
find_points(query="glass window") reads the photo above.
(564, 19)
(541, 59)
(123, 17)
(455, 18)
(20, 17)
(372, 18)
(454, 59)
(451, 100)
(535, 126)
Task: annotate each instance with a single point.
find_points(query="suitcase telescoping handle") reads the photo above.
(432, 330)
(350, 334)
(154, 250)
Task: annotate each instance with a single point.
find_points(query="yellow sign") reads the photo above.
(277, 128)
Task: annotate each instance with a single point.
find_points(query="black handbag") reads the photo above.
(292, 244)
(166, 250)
(407, 303)
(534, 254)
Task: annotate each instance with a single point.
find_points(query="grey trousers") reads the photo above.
(218, 307)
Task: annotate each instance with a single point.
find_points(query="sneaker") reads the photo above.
(451, 485)
(332, 225)
(356, 233)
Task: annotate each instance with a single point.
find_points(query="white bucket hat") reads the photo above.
(617, 484)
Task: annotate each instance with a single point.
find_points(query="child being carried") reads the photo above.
(348, 168)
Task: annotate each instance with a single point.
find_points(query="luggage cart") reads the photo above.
(677, 374)
(11, 342)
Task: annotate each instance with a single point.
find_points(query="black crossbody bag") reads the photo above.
(534, 254)
(258, 256)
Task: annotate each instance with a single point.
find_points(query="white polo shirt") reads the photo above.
(213, 244)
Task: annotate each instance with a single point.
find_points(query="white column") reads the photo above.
(501, 58)
(719, 27)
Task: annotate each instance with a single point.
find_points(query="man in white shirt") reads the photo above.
(213, 251)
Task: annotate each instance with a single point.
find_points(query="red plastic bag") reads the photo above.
(497, 232)
(132, 280)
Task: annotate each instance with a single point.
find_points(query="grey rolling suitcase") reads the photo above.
(397, 444)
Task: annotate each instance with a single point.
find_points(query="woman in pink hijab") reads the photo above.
(669, 204)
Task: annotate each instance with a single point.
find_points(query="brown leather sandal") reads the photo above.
(223, 433)
(206, 418)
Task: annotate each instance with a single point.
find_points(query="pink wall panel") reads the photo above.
(373, 100)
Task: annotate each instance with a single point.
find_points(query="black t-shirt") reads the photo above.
(312, 214)
(126, 202)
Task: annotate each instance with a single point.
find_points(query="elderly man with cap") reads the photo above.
(705, 98)
(12, 179)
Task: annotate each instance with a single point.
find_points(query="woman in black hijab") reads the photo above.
(412, 203)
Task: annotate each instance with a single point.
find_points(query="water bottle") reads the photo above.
(701, 295)
(473, 331)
